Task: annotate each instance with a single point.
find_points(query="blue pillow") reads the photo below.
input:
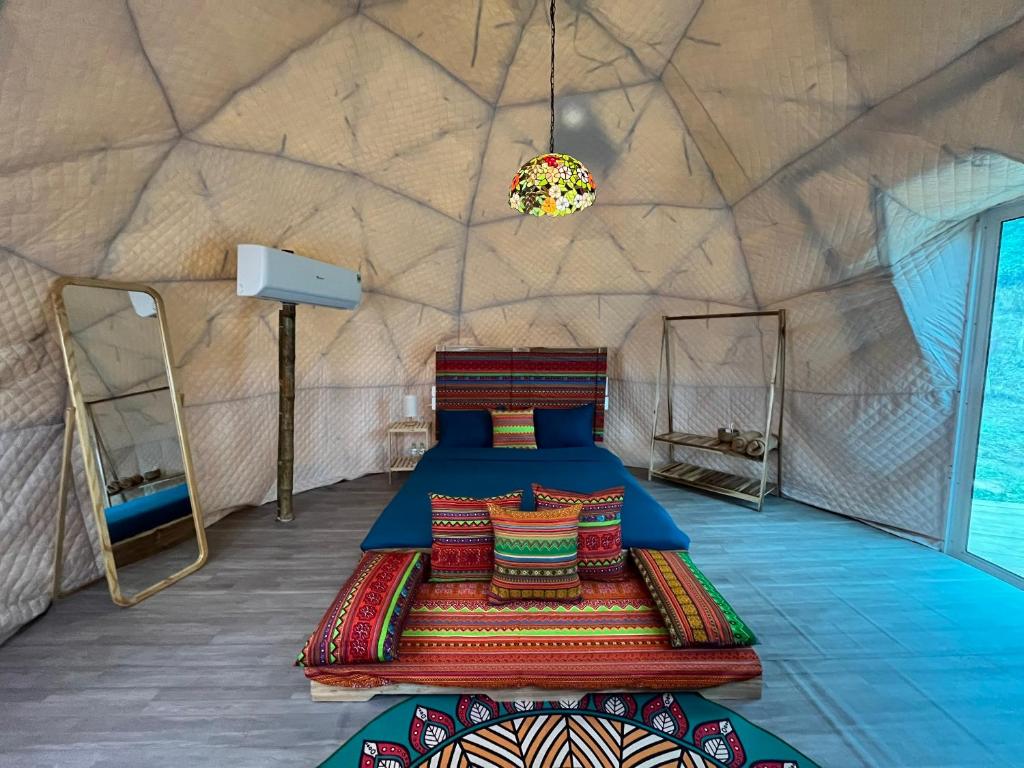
(464, 429)
(564, 427)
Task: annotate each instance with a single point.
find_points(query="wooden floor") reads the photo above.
(997, 534)
(877, 651)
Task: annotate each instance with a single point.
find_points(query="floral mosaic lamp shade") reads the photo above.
(552, 184)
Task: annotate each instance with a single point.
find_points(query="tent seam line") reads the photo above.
(260, 77)
(682, 37)
(101, 266)
(714, 176)
(152, 67)
(334, 169)
(480, 173)
(906, 89)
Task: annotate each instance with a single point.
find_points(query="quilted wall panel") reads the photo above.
(827, 157)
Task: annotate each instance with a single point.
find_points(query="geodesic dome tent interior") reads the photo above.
(828, 158)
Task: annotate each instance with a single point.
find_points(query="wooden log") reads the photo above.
(285, 411)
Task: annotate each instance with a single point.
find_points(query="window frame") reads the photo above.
(971, 394)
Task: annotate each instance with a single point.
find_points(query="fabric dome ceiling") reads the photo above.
(822, 156)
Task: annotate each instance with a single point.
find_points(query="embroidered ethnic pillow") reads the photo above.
(365, 620)
(694, 611)
(535, 555)
(463, 540)
(601, 556)
(513, 429)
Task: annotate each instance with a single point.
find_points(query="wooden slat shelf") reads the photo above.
(404, 464)
(702, 442)
(713, 480)
(401, 427)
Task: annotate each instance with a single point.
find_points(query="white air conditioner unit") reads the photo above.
(268, 273)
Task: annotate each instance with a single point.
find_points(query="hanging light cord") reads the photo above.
(551, 140)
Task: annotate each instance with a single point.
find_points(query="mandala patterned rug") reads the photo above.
(662, 730)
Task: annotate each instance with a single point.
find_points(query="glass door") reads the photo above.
(987, 525)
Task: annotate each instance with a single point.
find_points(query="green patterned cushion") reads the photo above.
(535, 555)
(513, 429)
(694, 611)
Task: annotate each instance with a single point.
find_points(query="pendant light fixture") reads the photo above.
(553, 184)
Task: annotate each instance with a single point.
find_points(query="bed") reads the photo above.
(664, 626)
(474, 378)
(482, 472)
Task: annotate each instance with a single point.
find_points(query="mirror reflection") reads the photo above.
(117, 363)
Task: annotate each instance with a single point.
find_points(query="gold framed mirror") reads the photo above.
(126, 409)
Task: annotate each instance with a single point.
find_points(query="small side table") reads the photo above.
(399, 460)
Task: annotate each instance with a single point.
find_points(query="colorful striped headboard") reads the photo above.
(542, 377)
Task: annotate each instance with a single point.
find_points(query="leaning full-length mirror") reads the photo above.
(127, 417)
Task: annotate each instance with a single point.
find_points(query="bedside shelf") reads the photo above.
(704, 443)
(715, 481)
(398, 434)
(404, 464)
(403, 427)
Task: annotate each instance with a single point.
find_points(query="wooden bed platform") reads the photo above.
(454, 641)
(740, 690)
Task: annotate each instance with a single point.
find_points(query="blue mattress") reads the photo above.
(480, 472)
(147, 512)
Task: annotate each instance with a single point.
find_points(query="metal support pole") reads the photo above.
(285, 411)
